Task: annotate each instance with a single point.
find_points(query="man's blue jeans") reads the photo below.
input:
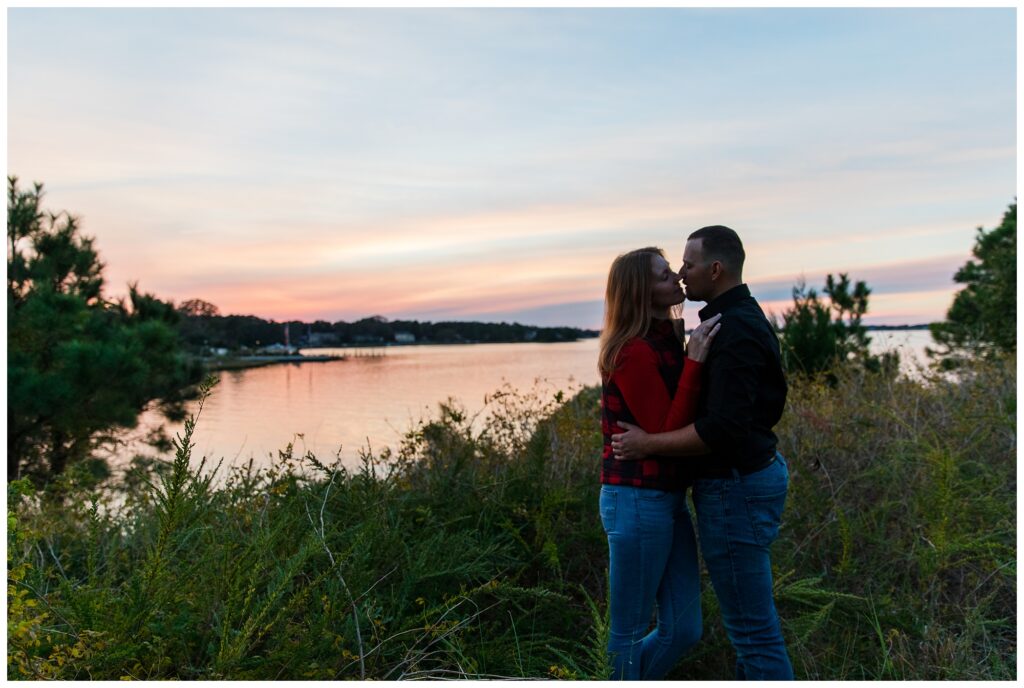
(652, 557)
(738, 519)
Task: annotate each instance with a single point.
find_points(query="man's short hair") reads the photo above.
(720, 243)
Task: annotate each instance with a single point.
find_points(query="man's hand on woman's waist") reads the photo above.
(630, 445)
(635, 444)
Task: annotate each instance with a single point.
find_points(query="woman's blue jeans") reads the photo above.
(738, 519)
(652, 557)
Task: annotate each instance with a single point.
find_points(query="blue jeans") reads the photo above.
(738, 520)
(652, 557)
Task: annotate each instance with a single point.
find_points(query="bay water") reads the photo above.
(336, 408)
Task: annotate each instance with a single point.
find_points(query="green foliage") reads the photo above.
(475, 550)
(983, 316)
(903, 495)
(449, 558)
(820, 338)
(77, 365)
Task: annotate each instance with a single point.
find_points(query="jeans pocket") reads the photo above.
(654, 495)
(608, 504)
(765, 513)
(706, 488)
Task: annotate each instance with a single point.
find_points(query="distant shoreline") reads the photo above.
(243, 362)
(888, 328)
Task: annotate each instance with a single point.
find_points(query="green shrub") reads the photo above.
(474, 550)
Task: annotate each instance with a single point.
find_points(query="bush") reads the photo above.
(460, 555)
(819, 339)
(476, 551)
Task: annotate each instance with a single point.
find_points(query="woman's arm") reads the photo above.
(644, 391)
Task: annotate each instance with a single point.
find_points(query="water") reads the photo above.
(342, 406)
(368, 401)
(909, 343)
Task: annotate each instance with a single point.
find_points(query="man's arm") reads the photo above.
(636, 444)
(732, 379)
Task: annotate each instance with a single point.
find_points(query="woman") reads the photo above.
(651, 547)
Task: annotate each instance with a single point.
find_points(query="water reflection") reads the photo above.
(337, 407)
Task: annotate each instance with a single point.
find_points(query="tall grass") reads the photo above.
(475, 551)
(903, 508)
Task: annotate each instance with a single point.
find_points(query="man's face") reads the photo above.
(696, 272)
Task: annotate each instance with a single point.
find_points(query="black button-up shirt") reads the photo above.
(744, 390)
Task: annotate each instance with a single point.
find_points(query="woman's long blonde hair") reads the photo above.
(627, 304)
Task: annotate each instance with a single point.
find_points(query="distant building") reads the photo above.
(322, 338)
(277, 350)
(530, 335)
(405, 337)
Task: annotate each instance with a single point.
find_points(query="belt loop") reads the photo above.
(735, 474)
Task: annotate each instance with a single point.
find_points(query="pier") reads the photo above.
(241, 362)
(364, 352)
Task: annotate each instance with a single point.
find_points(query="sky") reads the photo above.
(437, 164)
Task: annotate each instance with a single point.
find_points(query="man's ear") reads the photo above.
(716, 269)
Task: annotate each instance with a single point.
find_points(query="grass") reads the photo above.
(475, 550)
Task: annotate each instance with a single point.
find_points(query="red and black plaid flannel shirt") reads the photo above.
(648, 373)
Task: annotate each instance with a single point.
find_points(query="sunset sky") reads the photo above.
(489, 164)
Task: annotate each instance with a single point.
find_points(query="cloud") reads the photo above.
(932, 274)
(911, 292)
(322, 162)
(586, 314)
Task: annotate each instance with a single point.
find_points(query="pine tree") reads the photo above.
(983, 317)
(78, 365)
(819, 337)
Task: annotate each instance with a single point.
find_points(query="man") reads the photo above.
(741, 479)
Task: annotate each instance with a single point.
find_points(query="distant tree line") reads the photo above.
(896, 328)
(203, 327)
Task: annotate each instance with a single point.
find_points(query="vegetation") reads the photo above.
(983, 317)
(78, 365)
(475, 550)
(819, 338)
(203, 327)
(479, 552)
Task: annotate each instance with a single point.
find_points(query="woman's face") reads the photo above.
(666, 291)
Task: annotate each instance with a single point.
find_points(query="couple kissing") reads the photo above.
(698, 417)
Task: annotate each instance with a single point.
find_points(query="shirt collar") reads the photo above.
(660, 326)
(724, 302)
